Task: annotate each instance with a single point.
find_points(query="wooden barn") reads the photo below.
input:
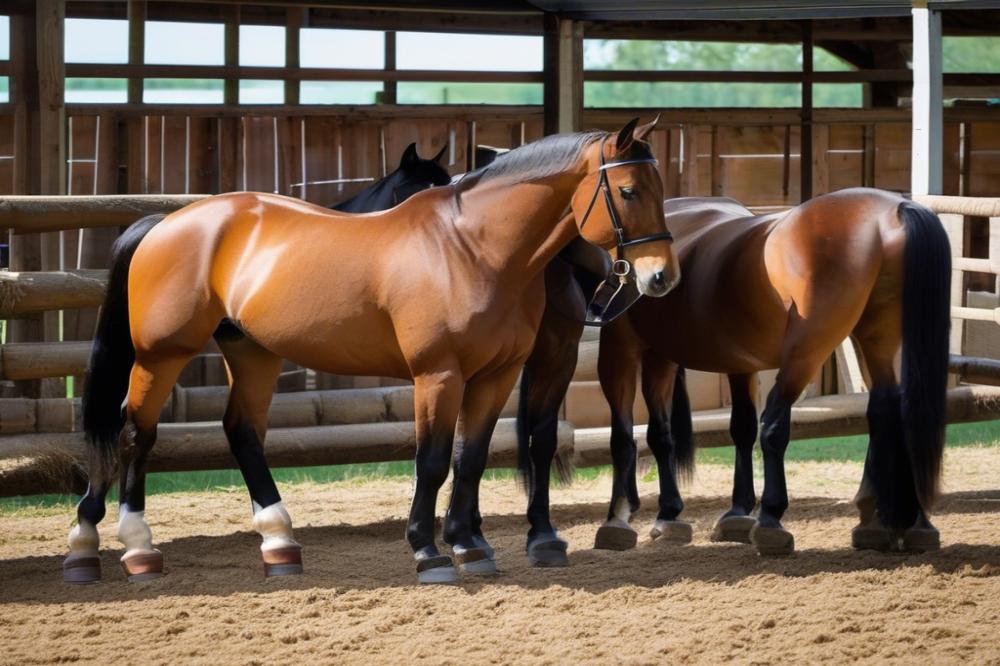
(141, 125)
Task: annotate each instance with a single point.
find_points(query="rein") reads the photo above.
(612, 285)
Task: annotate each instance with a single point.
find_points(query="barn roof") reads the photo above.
(611, 10)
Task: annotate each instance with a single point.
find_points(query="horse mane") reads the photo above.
(538, 159)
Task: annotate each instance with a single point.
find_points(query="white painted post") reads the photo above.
(927, 155)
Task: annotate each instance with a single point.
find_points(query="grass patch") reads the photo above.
(836, 449)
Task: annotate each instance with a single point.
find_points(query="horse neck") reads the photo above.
(519, 228)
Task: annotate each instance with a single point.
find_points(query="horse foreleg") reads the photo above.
(617, 365)
(482, 403)
(735, 524)
(253, 372)
(658, 382)
(437, 398)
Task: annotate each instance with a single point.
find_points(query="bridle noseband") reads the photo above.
(612, 285)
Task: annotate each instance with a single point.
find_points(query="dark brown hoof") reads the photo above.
(772, 541)
(284, 561)
(82, 570)
(143, 566)
(921, 539)
(733, 529)
(872, 537)
(615, 534)
(475, 561)
(671, 532)
(550, 552)
(436, 570)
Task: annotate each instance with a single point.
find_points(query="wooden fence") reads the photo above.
(42, 448)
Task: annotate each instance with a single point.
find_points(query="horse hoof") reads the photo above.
(550, 552)
(82, 570)
(672, 531)
(143, 565)
(284, 561)
(864, 537)
(772, 541)
(436, 570)
(921, 539)
(615, 534)
(475, 561)
(733, 529)
(484, 545)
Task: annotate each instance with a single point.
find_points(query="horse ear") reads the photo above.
(624, 139)
(437, 158)
(409, 156)
(642, 131)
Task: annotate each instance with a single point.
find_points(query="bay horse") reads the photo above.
(445, 289)
(413, 175)
(761, 292)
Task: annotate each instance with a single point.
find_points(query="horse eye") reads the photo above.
(627, 193)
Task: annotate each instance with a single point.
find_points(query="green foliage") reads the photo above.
(971, 54)
(709, 56)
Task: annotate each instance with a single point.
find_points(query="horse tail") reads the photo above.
(681, 427)
(525, 469)
(111, 359)
(926, 322)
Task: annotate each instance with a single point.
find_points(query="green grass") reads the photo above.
(840, 449)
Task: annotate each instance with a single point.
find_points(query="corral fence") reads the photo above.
(42, 449)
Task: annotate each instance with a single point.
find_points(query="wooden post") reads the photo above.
(136, 46)
(389, 91)
(563, 94)
(294, 18)
(927, 160)
(50, 17)
(805, 137)
(232, 53)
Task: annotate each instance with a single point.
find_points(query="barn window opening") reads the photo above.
(4, 38)
(183, 91)
(176, 43)
(262, 46)
(339, 92)
(4, 89)
(843, 95)
(341, 49)
(409, 92)
(468, 52)
(261, 91)
(96, 40)
(690, 95)
(84, 90)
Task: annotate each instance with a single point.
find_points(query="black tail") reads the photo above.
(926, 322)
(526, 426)
(111, 359)
(525, 470)
(681, 428)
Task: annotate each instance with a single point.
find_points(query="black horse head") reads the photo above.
(413, 175)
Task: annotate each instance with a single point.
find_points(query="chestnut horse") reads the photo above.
(774, 291)
(445, 289)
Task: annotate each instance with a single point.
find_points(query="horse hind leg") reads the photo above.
(886, 470)
(253, 372)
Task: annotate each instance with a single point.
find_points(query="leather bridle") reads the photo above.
(612, 285)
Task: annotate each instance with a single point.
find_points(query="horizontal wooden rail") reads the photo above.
(45, 463)
(32, 214)
(297, 74)
(976, 314)
(976, 369)
(29, 292)
(975, 206)
(38, 360)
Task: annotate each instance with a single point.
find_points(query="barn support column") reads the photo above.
(806, 126)
(563, 49)
(927, 155)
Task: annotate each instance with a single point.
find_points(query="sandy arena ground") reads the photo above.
(358, 602)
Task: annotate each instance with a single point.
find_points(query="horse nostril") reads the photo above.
(658, 279)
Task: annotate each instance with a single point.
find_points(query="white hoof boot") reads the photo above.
(83, 564)
(141, 561)
(281, 553)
